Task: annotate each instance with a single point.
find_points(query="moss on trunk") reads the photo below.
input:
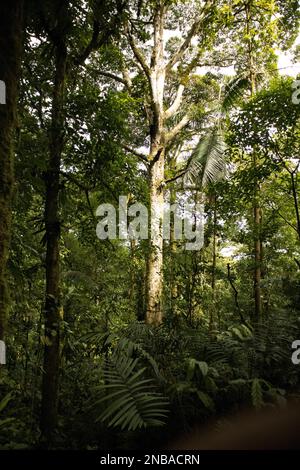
(11, 23)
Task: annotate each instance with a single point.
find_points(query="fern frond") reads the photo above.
(257, 393)
(131, 401)
(126, 344)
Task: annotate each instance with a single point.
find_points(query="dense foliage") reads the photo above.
(129, 343)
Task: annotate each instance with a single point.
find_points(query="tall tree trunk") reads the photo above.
(155, 256)
(161, 135)
(256, 206)
(257, 249)
(214, 263)
(157, 72)
(52, 224)
(11, 24)
(173, 246)
(295, 198)
(133, 280)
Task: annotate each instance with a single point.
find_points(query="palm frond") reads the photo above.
(234, 91)
(207, 163)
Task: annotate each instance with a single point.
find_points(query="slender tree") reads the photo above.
(57, 23)
(58, 36)
(11, 29)
(259, 30)
(257, 210)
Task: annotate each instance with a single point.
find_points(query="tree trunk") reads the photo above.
(173, 246)
(257, 256)
(155, 256)
(157, 73)
(11, 24)
(296, 203)
(214, 264)
(257, 212)
(133, 283)
(52, 223)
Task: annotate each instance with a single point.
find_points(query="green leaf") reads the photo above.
(206, 400)
(5, 401)
(203, 366)
(257, 393)
(130, 400)
(5, 422)
(234, 91)
(207, 163)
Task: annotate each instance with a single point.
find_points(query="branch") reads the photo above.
(98, 40)
(235, 293)
(297, 262)
(126, 78)
(179, 175)
(39, 104)
(175, 106)
(73, 179)
(138, 53)
(288, 222)
(178, 55)
(112, 76)
(216, 63)
(285, 164)
(87, 196)
(54, 34)
(136, 153)
(173, 132)
(92, 45)
(86, 190)
(192, 32)
(158, 46)
(116, 198)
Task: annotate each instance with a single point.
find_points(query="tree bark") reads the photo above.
(295, 198)
(157, 73)
(173, 247)
(257, 212)
(11, 25)
(155, 257)
(214, 264)
(161, 135)
(52, 223)
(64, 65)
(257, 260)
